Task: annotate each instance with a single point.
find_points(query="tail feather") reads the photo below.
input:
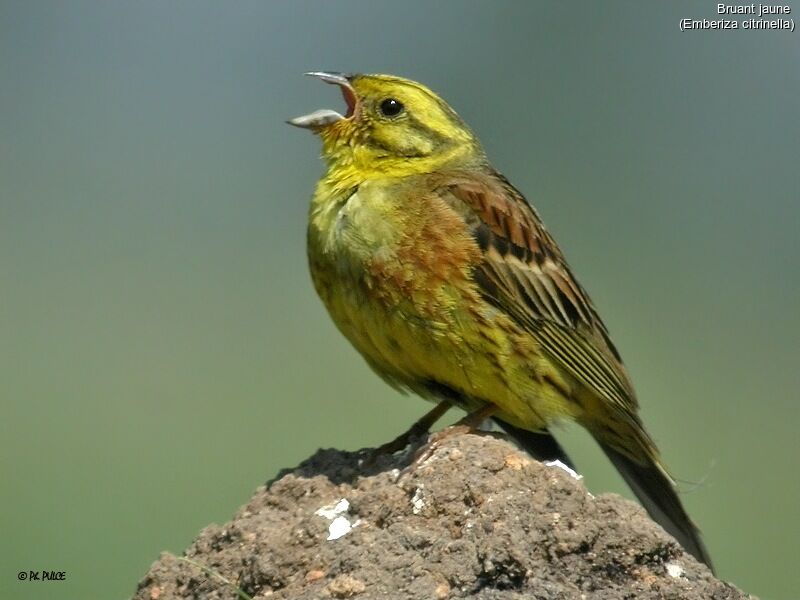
(656, 491)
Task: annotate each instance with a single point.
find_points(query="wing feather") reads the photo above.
(524, 273)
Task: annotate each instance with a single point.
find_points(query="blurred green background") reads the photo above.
(163, 352)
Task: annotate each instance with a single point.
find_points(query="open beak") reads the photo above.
(324, 117)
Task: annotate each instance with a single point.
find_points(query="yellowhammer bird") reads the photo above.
(444, 278)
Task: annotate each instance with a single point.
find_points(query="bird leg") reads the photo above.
(473, 420)
(421, 427)
(468, 424)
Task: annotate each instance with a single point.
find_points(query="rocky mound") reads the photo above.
(476, 519)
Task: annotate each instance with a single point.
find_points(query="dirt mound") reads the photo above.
(477, 519)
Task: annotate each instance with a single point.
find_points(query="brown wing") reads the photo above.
(524, 274)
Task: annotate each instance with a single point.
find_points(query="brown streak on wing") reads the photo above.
(524, 273)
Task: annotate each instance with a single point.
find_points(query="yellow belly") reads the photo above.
(416, 322)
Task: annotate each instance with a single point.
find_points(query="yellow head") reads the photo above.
(392, 126)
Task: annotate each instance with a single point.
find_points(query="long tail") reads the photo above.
(656, 491)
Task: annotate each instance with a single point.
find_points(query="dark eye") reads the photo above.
(391, 107)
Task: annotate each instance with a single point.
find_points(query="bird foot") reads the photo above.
(416, 431)
(468, 424)
(434, 441)
(401, 442)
